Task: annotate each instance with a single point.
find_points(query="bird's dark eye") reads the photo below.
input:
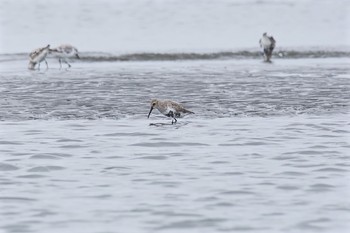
(153, 104)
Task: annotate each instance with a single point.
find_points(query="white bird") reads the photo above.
(63, 52)
(268, 43)
(37, 56)
(169, 108)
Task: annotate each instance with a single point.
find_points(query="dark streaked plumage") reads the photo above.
(37, 56)
(169, 108)
(267, 43)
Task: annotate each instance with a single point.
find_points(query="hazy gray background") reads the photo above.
(164, 25)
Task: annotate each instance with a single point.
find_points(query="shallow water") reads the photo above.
(267, 149)
(213, 175)
(212, 89)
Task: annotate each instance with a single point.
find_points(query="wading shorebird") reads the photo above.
(37, 56)
(63, 52)
(268, 43)
(169, 108)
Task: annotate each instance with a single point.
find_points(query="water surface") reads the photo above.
(266, 150)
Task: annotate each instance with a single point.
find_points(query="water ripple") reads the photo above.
(7, 167)
(210, 90)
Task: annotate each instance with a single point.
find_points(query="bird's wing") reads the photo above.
(67, 49)
(182, 109)
(273, 42)
(35, 53)
(176, 106)
(188, 111)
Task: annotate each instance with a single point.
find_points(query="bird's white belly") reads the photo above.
(61, 55)
(266, 43)
(166, 111)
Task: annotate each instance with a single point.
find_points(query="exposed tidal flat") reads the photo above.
(267, 149)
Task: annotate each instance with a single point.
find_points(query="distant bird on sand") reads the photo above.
(268, 43)
(169, 108)
(37, 56)
(63, 52)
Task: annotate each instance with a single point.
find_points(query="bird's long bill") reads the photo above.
(150, 112)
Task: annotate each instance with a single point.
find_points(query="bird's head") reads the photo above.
(31, 65)
(154, 104)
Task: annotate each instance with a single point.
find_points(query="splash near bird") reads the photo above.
(169, 108)
(37, 56)
(268, 43)
(64, 52)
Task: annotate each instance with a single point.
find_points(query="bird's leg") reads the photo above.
(264, 54)
(69, 66)
(59, 59)
(173, 121)
(47, 65)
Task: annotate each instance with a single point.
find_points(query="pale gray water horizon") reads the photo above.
(121, 26)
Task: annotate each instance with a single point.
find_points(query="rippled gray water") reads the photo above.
(209, 88)
(266, 151)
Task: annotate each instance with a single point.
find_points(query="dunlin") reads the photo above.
(268, 43)
(37, 56)
(169, 108)
(63, 52)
